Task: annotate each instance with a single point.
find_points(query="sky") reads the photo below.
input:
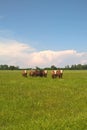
(43, 32)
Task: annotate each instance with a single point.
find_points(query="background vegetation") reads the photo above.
(67, 67)
(36, 103)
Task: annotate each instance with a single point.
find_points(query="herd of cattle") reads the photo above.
(43, 73)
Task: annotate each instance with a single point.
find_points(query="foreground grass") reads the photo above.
(43, 103)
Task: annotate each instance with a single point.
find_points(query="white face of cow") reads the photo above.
(55, 71)
(45, 71)
(61, 71)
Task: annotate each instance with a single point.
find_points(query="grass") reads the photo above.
(36, 103)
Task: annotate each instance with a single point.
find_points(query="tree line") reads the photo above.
(6, 67)
(67, 67)
(76, 67)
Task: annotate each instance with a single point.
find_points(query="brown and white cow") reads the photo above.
(57, 73)
(45, 73)
(36, 73)
(54, 73)
(24, 73)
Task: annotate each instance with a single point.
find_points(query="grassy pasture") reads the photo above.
(36, 103)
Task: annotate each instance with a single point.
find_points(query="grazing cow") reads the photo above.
(24, 73)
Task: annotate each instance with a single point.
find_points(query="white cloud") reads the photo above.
(21, 54)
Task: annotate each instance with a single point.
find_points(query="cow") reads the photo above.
(60, 73)
(45, 73)
(36, 73)
(32, 73)
(54, 73)
(24, 73)
(39, 73)
(57, 73)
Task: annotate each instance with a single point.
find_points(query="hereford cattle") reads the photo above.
(24, 73)
(39, 73)
(45, 73)
(54, 73)
(57, 73)
(35, 73)
(32, 73)
(61, 73)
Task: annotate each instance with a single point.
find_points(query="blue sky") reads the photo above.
(54, 25)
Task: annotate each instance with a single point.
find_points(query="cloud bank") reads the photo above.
(23, 55)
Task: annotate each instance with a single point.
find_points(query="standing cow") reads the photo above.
(57, 73)
(32, 73)
(61, 73)
(54, 73)
(36, 73)
(45, 73)
(24, 73)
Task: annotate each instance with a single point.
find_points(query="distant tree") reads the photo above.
(67, 67)
(79, 67)
(85, 67)
(11, 67)
(17, 67)
(53, 67)
(37, 68)
(4, 67)
(73, 67)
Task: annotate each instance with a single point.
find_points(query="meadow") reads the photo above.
(36, 103)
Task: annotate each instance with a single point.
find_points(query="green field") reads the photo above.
(36, 103)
